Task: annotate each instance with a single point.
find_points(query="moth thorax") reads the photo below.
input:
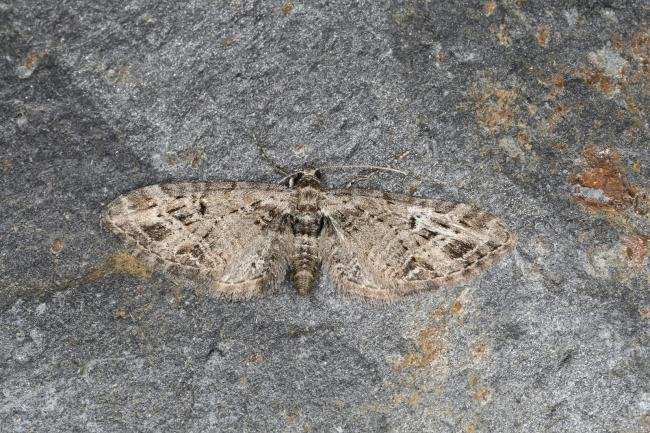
(309, 224)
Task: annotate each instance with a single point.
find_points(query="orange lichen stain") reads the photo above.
(637, 250)
(644, 312)
(125, 263)
(542, 36)
(482, 394)
(523, 138)
(469, 428)
(410, 400)
(638, 116)
(227, 42)
(605, 174)
(502, 35)
(122, 72)
(555, 85)
(120, 263)
(422, 373)
(559, 112)
(255, 358)
(496, 107)
(57, 246)
(31, 60)
(431, 344)
(479, 350)
(287, 7)
(456, 308)
(560, 147)
(617, 41)
(597, 78)
(377, 407)
(490, 7)
(639, 47)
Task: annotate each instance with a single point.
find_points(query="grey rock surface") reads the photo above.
(534, 110)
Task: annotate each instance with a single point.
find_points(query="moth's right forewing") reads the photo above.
(227, 232)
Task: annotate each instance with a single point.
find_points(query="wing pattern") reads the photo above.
(241, 237)
(230, 233)
(381, 246)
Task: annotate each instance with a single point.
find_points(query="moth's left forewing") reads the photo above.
(230, 233)
(401, 244)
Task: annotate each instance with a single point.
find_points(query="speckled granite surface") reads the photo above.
(536, 111)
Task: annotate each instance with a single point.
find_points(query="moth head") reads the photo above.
(308, 177)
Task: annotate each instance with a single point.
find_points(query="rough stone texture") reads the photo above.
(535, 111)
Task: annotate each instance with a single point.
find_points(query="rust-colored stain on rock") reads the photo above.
(227, 42)
(480, 393)
(603, 184)
(456, 308)
(120, 263)
(31, 60)
(542, 36)
(639, 45)
(556, 84)
(479, 350)
(255, 358)
(637, 250)
(57, 246)
(596, 78)
(502, 34)
(645, 312)
(287, 7)
(490, 7)
(469, 428)
(431, 344)
(122, 72)
(495, 107)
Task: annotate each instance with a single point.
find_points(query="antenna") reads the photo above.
(368, 167)
(374, 169)
(288, 174)
(268, 160)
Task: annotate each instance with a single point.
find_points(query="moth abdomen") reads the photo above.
(305, 263)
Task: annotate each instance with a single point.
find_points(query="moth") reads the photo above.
(240, 238)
